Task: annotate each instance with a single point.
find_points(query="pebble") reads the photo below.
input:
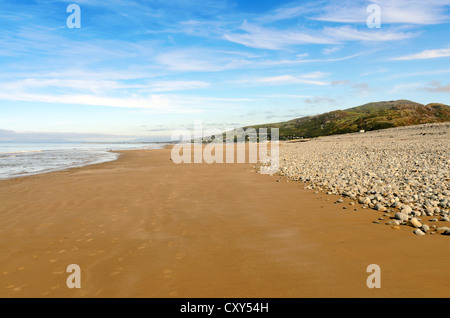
(404, 168)
(418, 232)
(415, 222)
(400, 216)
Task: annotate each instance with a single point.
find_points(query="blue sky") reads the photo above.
(143, 68)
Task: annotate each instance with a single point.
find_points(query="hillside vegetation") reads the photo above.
(372, 116)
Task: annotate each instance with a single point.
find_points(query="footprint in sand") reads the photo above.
(167, 273)
(142, 246)
(117, 272)
(179, 255)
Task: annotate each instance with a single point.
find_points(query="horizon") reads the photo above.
(139, 70)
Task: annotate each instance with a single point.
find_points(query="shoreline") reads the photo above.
(141, 226)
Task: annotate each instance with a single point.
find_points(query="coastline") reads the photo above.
(142, 226)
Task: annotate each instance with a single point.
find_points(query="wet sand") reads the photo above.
(143, 226)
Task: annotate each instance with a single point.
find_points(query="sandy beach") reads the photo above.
(143, 226)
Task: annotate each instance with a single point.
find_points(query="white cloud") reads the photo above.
(398, 11)
(165, 86)
(331, 50)
(199, 60)
(437, 87)
(427, 54)
(260, 37)
(290, 79)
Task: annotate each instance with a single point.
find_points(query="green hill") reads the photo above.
(372, 116)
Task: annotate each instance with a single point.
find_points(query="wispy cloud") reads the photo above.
(398, 11)
(331, 50)
(427, 54)
(437, 87)
(199, 60)
(257, 36)
(287, 79)
(320, 100)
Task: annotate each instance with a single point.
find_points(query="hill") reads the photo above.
(371, 116)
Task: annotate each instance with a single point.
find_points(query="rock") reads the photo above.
(445, 219)
(418, 232)
(396, 227)
(376, 222)
(387, 168)
(425, 228)
(401, 216)
(447, 232)
(433, 220)
(414, 222)
(364, 200)
(406, 209)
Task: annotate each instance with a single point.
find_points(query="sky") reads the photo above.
(141, 69)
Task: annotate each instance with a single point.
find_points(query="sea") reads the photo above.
(24, 159)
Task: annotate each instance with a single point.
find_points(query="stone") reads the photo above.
(418, 232)
(406, 209)
(415, 222)
(401, 216)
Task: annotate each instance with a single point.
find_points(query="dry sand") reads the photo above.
(143, 226)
